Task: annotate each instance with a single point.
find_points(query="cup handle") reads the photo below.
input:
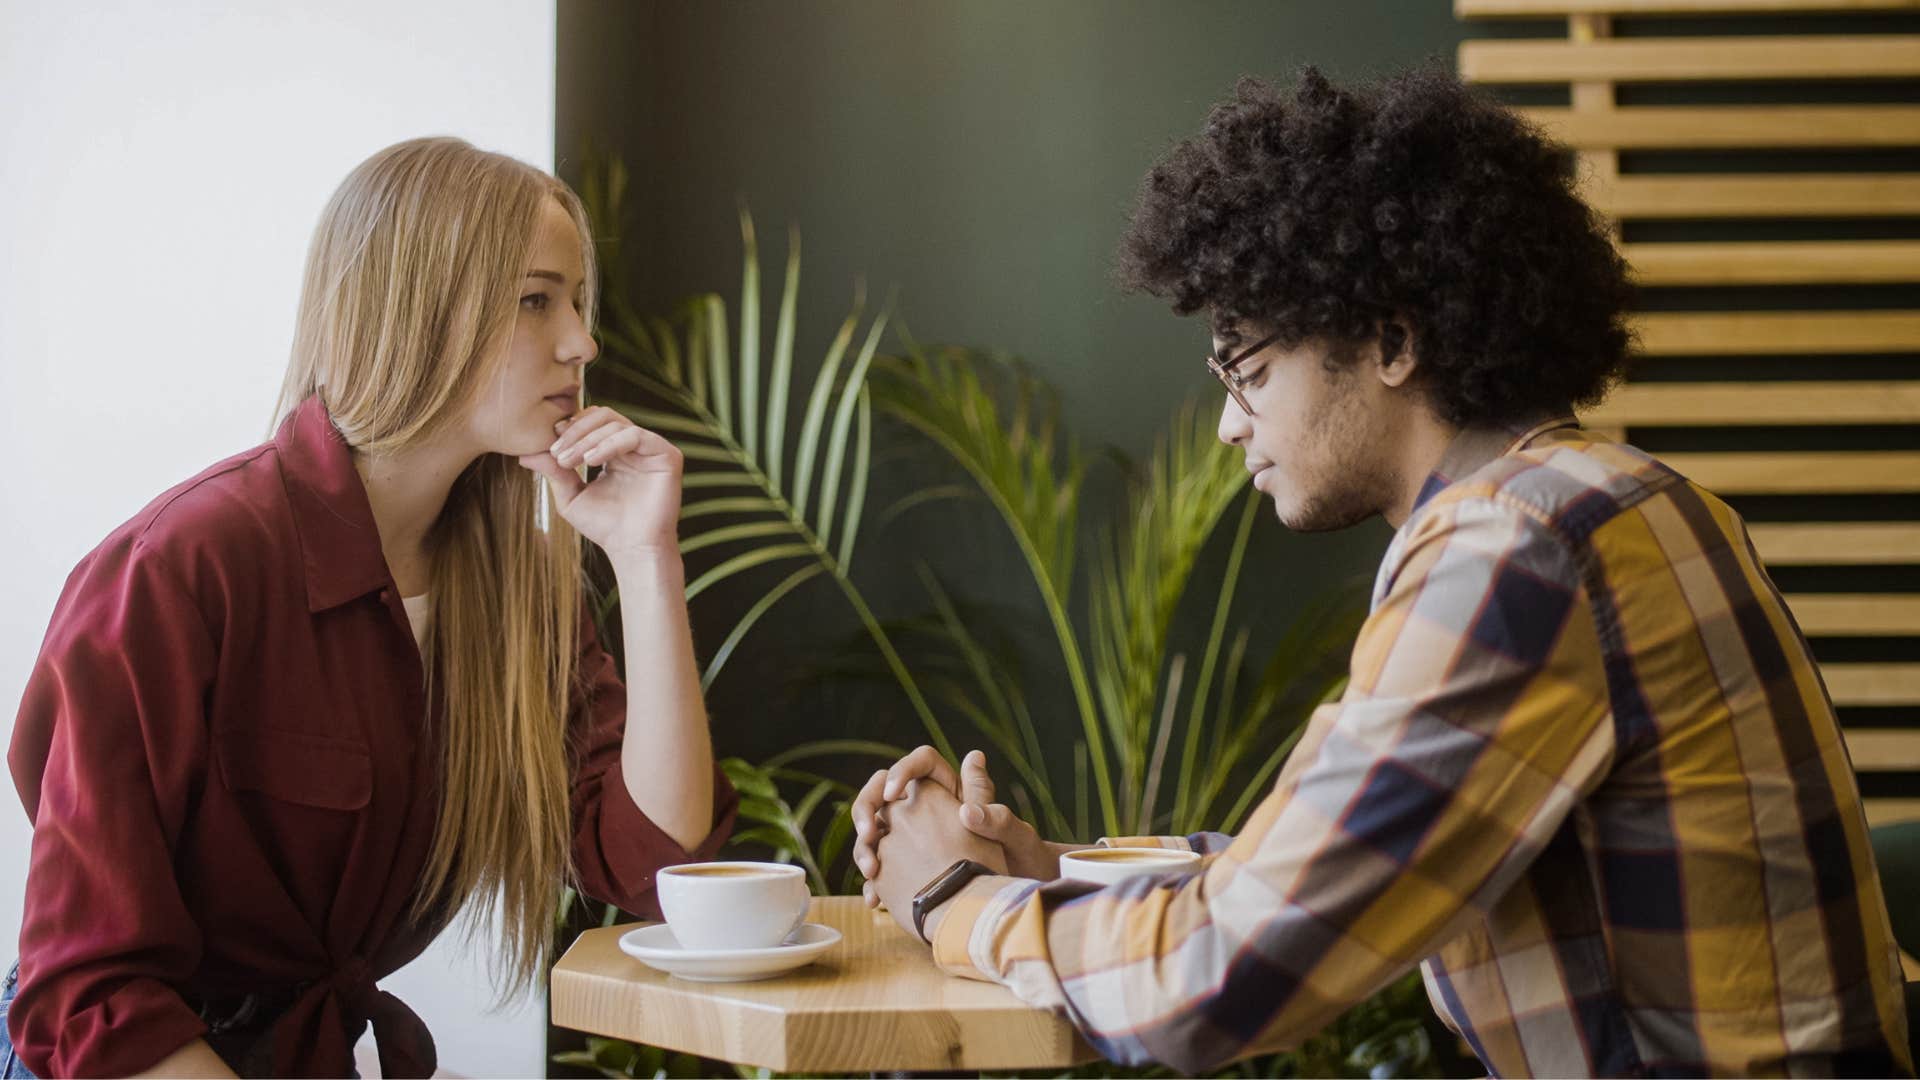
(800, 917)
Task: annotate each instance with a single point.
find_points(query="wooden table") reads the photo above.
(873, 1003)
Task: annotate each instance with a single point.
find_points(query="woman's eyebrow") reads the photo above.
(550, 275)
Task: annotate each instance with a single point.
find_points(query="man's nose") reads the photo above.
(1235, 425)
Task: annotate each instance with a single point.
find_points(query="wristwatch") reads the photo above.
(942, 889)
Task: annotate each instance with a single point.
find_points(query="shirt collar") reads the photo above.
(1475, 447)
(339, 542)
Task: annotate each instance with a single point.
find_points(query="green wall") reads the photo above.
(980, 157)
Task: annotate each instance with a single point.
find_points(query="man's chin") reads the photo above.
(1318, 516)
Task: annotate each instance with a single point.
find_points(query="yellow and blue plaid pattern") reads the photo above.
(1585, 773)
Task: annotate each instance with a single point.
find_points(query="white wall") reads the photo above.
(161, 166)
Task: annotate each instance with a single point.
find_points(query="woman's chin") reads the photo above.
(526, 446)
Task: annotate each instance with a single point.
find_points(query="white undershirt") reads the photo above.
(417, 608)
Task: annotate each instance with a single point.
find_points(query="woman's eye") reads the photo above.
(534, 301)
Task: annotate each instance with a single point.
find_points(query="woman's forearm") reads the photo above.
(194, 1059)
(667, 755)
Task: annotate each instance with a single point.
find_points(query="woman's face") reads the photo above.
(539, 380)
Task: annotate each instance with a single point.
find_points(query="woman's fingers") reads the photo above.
(566, 483)
(609, 442)
(616, 437)
(579, 426)
(581, 438)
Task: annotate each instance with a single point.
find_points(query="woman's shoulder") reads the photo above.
(225, 527)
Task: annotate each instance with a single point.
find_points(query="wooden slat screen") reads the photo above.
(1677, 127)
(1759, 161)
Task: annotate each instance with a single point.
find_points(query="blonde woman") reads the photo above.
(312, 703)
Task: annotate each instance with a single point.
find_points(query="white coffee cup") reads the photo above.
(732, 905)
(1104, 866)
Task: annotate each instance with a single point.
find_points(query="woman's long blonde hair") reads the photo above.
(412, 285)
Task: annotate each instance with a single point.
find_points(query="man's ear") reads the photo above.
(1399, 353)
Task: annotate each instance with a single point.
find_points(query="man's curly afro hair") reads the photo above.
(1331, 212)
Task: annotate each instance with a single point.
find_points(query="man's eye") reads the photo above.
(534, 301)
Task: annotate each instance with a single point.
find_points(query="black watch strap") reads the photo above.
(942, 889)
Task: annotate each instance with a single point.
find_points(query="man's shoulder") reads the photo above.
(1569, 483)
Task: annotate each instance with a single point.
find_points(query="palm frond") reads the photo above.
(693, 386)
(1184, 821)
(942, 395)
(1186, 486)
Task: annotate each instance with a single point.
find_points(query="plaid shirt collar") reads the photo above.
(1474, 447)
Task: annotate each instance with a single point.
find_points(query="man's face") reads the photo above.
(1317, 438)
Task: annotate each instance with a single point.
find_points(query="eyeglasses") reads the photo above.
(1224, 370)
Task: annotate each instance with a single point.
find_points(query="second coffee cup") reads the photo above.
(1104, 866)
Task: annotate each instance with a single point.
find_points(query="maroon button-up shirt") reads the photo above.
(223, 749)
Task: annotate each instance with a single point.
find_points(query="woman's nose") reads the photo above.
(580, 349)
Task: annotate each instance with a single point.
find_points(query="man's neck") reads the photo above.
(1434, 452)
(1422, 444)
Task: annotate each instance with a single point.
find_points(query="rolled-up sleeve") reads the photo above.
(110, 738)
(617, 848)
(1475, 720)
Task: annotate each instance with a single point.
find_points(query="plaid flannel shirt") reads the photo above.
(1585, 773)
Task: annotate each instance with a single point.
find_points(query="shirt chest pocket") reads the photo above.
(291, 766)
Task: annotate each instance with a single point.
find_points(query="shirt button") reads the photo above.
(386, 596)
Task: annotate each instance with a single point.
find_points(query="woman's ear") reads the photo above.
(1399, 354)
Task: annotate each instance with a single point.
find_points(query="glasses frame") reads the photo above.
(1223, 370)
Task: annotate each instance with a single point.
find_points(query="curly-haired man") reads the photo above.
(1585, 772)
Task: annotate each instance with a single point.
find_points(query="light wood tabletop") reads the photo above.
(874, 1003)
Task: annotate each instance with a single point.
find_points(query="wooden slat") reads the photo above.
(1734, 404)
(1805, 195)
(1857, 615)
(1888, 811)
(1891, 750)
(1855, 262)
(1499, 9)
(1840, 472)
(1778, 333)
(1602, 165)
(1876, 56)
(1872, 684)
(1743, 126)
(1846, 544)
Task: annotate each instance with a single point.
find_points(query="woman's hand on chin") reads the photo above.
(632, 506)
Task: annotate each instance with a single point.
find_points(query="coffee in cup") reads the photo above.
(732, 905)
(1104, 866)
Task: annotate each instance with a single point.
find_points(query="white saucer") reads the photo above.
(655, 947)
